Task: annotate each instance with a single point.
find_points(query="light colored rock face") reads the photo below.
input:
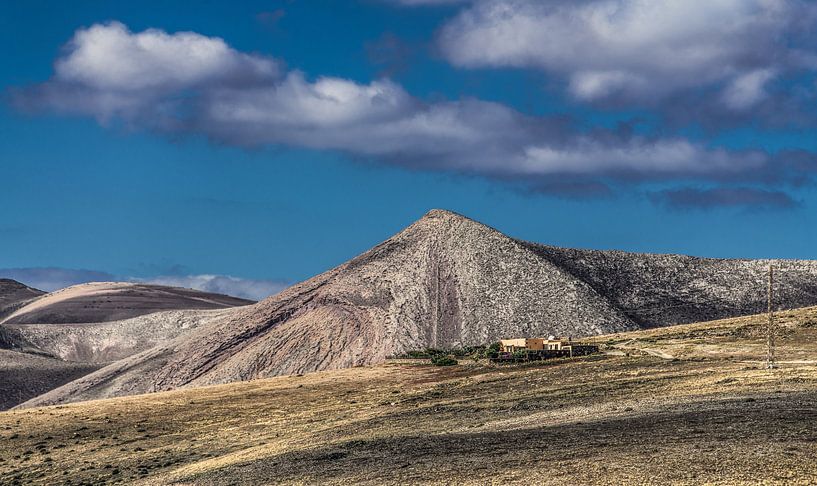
(106, 342)
(443, 281)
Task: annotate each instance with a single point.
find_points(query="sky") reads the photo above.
(241, 147)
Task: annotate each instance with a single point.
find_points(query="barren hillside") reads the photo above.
(52, 339)
(104, 342)
(112, 301)
(13, 295)
(661, 290)
(444, 281)
(628, 417)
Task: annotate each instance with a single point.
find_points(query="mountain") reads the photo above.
(445, 281)
(661, 290)
(111, 301)
(13, 295)
(25, 375)
(105, 342)
(47, 340)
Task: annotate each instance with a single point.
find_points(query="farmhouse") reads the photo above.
(532, 344)
(536, 349)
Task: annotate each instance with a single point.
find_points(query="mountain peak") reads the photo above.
(442, 214)
(438, 213)
(436, 217)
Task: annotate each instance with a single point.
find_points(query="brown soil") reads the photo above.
(705, 412)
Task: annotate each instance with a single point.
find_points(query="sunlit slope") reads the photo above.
(686, 404)
(111, 301)
(445, 281)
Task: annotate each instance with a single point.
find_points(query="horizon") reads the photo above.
(305, 133)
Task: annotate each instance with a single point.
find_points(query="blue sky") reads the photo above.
(310, 131)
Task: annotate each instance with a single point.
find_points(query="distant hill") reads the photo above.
(50, 339)
(446, 281)
(14, 295)
(111, 301)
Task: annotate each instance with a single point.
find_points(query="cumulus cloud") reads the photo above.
(108, 71)
(50, 279)
(636, 49)
(640, 156)
(189, 83)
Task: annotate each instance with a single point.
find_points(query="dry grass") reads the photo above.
(704, 413)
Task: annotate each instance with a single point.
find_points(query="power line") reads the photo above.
(770, 330)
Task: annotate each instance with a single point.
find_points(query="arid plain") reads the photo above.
(687, 404)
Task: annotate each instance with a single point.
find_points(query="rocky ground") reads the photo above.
(27, 375)
(687, 404)
(105, 342)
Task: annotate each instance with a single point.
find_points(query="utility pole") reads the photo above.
(770, 330)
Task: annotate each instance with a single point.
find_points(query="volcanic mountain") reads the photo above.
(445, 281)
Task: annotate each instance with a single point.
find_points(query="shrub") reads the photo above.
(493, 349)
(443, 360)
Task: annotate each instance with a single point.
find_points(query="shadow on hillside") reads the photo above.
(722, 436)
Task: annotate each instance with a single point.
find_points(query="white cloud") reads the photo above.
(748, 89)
(110, 57)
(108, 71)
(380, 119)
(636, 49)
(376, 119)
(242, 99)
(639, 156)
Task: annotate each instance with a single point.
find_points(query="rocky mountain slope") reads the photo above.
(660, 290)
(444, 281)
(111, 301)
(26, 375)
(104, 342)
(14, 295)
(47, 340)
